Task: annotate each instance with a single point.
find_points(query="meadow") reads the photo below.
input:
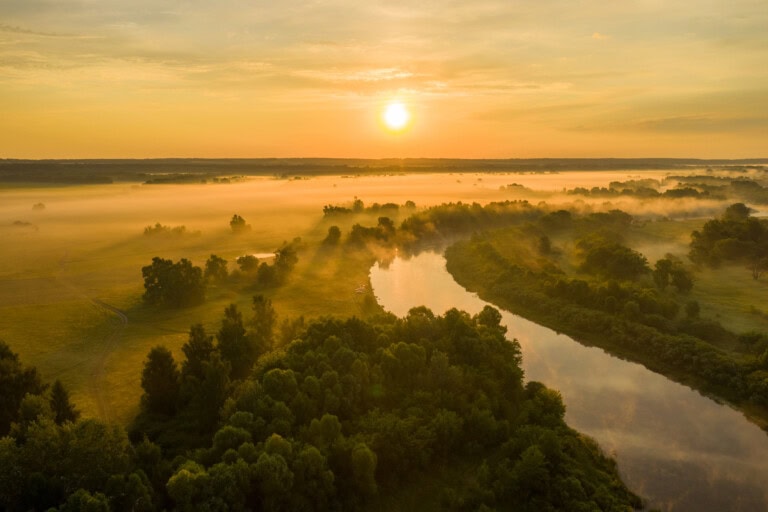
(70, 273)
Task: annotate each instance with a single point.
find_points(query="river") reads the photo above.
(679, 450)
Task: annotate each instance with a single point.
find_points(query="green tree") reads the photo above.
(275, 480)
(364, 469)
(266, 275)
(160, 381)
(216, 268)
(661, 272)
(84, 501)
(613, 260)
(285, 259)
(263, 321)
(16, 381)
(681, 279)
(235, 346)
(248, 263)
(62, 408)
(212, 391)
(173, 284)
(197, 351)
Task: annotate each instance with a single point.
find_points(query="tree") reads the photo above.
(275, 480)
(62, 409)
(661, 271)
(216, 268)
(285, 259)
(364, 468)
(173, 284)
(264, 318)
(333, 237)
(266, 275)
(234, 344)
(197, 351)
(692, 309)
(160, 381)
(757, 266)
(248, 263)
(670, 270)
(613, 260)
(84, 501)
(16, 381)
(681, 279)
(238, 224)
(737, 212)
(735, 237)
(211, 391)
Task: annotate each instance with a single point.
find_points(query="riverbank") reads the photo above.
(680, 358)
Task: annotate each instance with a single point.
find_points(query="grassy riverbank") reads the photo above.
(525, 288)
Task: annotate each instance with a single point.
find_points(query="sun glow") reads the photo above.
(396, 116)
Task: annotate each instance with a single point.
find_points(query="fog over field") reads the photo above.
(88, 243)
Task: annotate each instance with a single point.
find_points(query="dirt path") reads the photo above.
(98, 373)
(98, 382)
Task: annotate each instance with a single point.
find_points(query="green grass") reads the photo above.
(50, 279)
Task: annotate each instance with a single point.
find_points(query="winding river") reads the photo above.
(679, 450)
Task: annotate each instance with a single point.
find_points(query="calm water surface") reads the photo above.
(677, 449)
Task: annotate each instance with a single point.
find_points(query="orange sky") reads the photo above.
(490, 78)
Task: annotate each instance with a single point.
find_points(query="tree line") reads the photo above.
(182, 284)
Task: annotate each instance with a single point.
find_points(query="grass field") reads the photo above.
(64, 267)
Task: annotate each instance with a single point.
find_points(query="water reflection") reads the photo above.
(679, 450)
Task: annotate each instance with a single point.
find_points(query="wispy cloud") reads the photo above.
(630, 67)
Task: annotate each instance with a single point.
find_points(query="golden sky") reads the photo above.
(287, 78)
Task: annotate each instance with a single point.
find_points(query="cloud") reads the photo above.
(599, 36)
(698, 124)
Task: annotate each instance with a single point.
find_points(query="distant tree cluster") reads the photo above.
(172, 284)
(359, 207)
(238, 224)
(641, 192)
(248, 263)
(670, 271)
(216, 269)
(382, 233)
(333, 237)
(165, 231)
(286, 258)
(736, 237)
(609, 259)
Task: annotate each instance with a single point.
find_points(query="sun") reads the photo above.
(396, 116)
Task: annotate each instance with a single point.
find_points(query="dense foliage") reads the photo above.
(173, 284)
(736, 236)
(349, 410)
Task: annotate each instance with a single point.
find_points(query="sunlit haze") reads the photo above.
(485, 79)
(396, 116)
